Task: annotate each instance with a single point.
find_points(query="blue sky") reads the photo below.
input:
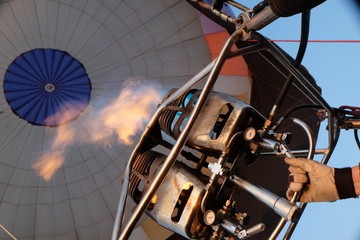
(336, 68)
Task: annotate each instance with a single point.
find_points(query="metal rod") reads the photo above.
(351, 124)
(123, 197)
(279, 205)
(260, 20)
(247, 50)
(271, 48)
(182, 138)
(299, 56)
(193, 81)
(310, 137)
(302, 206)
(238, 5)
(210, 185)
(292, 225)
(204, 6)
(297, 152)
(8, 232)
(333, 133)
(283, 220)
(296, 195)
(278, 229)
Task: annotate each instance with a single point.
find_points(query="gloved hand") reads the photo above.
(316, 180)
(319, 182)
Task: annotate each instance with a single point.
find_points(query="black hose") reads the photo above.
(288, 113)
(285, 8)
(354, 114)
(305, 26)
(357, 138)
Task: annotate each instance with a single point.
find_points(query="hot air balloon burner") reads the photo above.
(176, 202)
(143, 171)
(226, 135)
(221, 119)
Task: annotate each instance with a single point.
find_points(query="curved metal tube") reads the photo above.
(310, 155)
(213, 178)
(296, 195)
(310, 137)
(333, 133)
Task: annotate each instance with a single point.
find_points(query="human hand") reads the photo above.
(315, 180)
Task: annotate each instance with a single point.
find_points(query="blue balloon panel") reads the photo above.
(47, 87)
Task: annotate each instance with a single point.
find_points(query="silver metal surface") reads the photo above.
(255, 229)
(240, 232)
(240, 116)
(260, 20)
(270, 145)
(210, 185)
(177, 202)
(279, 205)
(296, 195)
(231, 227)
(310, 137)
(297, 152)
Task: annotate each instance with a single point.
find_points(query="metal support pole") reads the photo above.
(188, 85)
(182, 138)
(123, 197)
(296, 195)
(287, 210)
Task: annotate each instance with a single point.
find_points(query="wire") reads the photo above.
(287, 114)
(357, 138)
(305, 23)
(12, 236)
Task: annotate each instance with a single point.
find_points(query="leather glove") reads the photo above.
(318, 182)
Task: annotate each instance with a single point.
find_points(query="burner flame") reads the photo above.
(124, 117)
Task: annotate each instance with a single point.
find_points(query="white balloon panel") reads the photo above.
(160, 42)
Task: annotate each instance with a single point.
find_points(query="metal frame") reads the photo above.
(213, 70)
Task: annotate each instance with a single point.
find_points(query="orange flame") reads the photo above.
(51, 161)
(124, 116)
(127, 114)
